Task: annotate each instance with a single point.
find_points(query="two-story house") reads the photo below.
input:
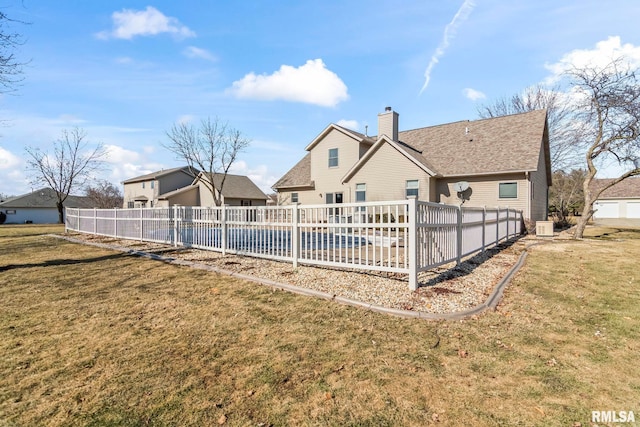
(501, 161)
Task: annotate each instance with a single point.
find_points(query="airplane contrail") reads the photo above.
(449, 32)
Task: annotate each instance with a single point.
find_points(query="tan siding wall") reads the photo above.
(133, 190)
(188, 198)
(484, 191)
(539, 203)
(328, 180)
(386, 174)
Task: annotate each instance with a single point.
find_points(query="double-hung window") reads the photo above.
(333, 157)
(412, 188)
(294, 197)
(361, 192)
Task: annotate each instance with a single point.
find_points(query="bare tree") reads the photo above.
(104, 195)
(69, 168)
(566, 196)
(561, 139)
(608, 112)
(211, 149)
(10, 66)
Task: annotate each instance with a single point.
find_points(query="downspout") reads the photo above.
(526, 175)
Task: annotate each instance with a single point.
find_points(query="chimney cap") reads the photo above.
(387, 109)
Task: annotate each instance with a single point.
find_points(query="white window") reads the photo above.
(361, 192)
(152, 184)
(294, 198)
(333, 157)
(143, 185)
(508, 190)
(412, 188)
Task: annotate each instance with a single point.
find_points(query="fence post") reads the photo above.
(484, 228)
(413, 243)
(95, 222)
(115, 223)
(175, 225)
(141, 225)
(295, 226)
(459, 237)
(497, 225)
(507, 222)
(223, 229)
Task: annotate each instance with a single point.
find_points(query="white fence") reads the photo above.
(406, 236)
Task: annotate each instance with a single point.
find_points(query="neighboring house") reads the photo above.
(144, 191)
(38, 207)
(620, 201)
(237, 190)
(504, 160)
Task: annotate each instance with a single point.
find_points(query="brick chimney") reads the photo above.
(388, 124)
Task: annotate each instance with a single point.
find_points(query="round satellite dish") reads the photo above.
(461, 186)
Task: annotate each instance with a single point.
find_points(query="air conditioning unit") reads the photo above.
(544, 228)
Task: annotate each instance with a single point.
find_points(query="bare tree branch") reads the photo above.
(212, 148)
(608, 107)
(69, 168)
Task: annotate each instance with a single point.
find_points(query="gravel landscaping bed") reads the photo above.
(446, 289)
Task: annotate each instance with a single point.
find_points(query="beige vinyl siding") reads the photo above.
(484, 191)
(386, 174)
(185, 198)
(329, 180)
(135, 189)
(538, 181)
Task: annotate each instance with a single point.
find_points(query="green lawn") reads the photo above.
(94, 337)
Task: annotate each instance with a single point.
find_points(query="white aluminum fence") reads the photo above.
(406, 236)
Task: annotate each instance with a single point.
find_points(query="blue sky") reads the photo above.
(280, 72)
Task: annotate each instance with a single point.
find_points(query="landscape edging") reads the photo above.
(490, 303)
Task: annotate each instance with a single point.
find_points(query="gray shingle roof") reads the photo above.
(45, 198)
(502, 144)
(238, 187)
(159, 174)
(298, 176)
(627, 189)
(479, 147)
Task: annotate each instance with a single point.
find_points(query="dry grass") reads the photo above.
(94, 337)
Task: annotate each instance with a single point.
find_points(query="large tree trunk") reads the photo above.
(587, 211)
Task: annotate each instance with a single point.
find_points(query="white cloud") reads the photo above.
(310, 83)
(260, 175)
(119, 155)
(349, 124)
(449, 33)
(603, 53)
(473, 94)
(8, 160)
(199, 53)
(130, 23)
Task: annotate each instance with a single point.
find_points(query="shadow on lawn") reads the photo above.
(59, 262)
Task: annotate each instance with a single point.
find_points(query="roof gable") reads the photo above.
(408, 152)
(357, 136)
(299, 176)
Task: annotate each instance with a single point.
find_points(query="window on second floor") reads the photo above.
(142, 184)
(333, 157)
(412, 188)
(153, 184)
(294, 197)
